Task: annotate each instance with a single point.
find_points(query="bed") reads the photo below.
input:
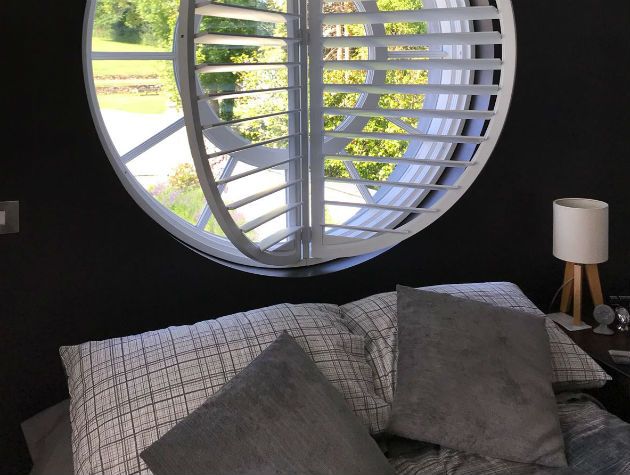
(127, 392)
(596, 442)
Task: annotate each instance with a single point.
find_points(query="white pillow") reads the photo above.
(128, 392)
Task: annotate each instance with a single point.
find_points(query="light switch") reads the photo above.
(9, 217)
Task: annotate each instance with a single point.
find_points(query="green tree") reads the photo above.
(136, 21)
(117, 20)
(158, 20)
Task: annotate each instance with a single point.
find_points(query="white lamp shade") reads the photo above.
(580, 230)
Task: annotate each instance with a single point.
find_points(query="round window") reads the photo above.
(276, 133)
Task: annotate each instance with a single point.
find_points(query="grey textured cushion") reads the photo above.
(278, 416)
(475, 377)
(374, 318)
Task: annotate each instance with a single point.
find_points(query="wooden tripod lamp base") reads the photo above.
(572, 288)
(580, 234)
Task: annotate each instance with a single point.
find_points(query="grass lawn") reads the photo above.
(127, 74)
(127, 82)
(135, 103)
(104, 44)
(127, 67)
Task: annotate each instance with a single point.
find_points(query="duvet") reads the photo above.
(596, 443)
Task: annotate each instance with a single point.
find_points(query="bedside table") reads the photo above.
(615, 395)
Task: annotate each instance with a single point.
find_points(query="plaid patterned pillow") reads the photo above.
(128, 392)
(374, 318)
(573, 369)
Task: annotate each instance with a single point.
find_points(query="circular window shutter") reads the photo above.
(427, 89)
(285, 246)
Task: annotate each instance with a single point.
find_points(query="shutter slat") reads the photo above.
(410, 161)
(402, 209)
(424, 186)
(232, 178)
(242, 13)
(248, 146)
(275, 238)
(234, 67)
(250, 92)
(365, 228)
(405, 16)
(411, 89)
(261, 194)
(422, 65)
(265, 218)
(241, 40)
(430, 39)
(408, 136)
(416, 53)
(417, 113)
(247, 119)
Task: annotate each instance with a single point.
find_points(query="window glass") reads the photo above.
(137, 99)
(167, 172)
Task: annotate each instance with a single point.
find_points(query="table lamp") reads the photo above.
(580, 238)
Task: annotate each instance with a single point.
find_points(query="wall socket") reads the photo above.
(9, 217)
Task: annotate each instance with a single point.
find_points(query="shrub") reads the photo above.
(184, 177)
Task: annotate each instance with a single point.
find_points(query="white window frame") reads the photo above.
(343, 241)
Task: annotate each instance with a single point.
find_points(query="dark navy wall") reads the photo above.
(89, 264)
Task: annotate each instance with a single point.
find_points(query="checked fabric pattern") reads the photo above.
(375, 319)
(128, 392)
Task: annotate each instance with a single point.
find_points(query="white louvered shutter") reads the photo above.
(468, 53)
(213, 139)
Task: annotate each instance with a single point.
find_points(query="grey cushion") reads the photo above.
(280, 415)
(475, 377)
(374, 318)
